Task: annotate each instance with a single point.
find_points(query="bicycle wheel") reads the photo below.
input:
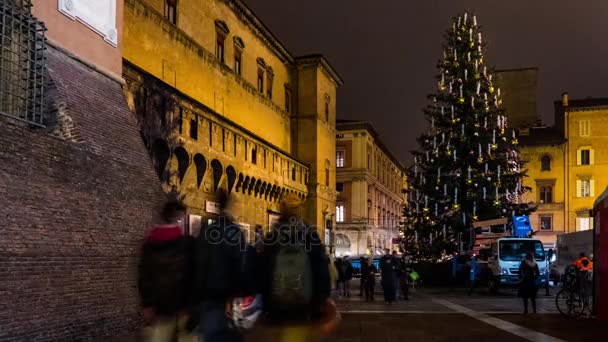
(569, 304)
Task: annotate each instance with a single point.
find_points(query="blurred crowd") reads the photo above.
(217, 286)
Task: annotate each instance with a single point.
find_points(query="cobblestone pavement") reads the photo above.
(443, 314)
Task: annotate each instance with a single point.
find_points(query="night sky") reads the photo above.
(386, 50)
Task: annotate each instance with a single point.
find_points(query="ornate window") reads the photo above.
(221, 32)
(238, 55)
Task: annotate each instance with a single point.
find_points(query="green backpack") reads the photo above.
(292, 286)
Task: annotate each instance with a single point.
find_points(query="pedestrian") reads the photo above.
(368, 276)
(404, 281)
(165, 278)
(398, 271)
(389, 277)
(362, 266)
(345, 275)
(296, 288)
(338, 265)
(528, 273)
(333, 273)
(221, 277)
(585, 277)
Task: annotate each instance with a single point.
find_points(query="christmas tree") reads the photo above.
(467, 166)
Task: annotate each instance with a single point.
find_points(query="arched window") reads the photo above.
(545, 163)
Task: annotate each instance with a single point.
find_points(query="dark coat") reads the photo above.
(345, 271)
(223, 262)
(368, 274)
(527, 277)
(166, 274)
(388, 268)
(286, 233)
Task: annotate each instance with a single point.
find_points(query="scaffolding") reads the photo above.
(22, 63)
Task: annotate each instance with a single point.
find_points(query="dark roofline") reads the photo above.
(591, 102)
(320, 59)
(516, 69)
(350, 125)
(253, 19)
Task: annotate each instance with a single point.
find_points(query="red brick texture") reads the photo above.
(74, 206)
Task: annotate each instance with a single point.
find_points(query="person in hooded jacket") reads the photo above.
(165, 278)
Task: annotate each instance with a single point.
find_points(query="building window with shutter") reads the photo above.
(585, 157)
(545, 163)
(171, 11)
(340, 213)
(340, 156)
(583, 223)
(584, 128)
(584, 188)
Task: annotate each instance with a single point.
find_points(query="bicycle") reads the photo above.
(572, 301)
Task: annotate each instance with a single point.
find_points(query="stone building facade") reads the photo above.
(225, 105)
(370, 184)
(567, 166)
(77, 187)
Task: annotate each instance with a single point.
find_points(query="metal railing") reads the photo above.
(22, 63)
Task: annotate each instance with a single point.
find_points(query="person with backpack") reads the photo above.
(345, 276)
(226, 268)
(165, 278)
(296, 290)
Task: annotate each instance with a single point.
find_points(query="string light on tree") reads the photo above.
(469, 137)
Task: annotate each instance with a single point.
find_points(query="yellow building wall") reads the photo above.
(597, 172)
(536, 177)
(184, 57)
(566, 172)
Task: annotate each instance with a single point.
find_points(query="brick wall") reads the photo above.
(74, 206)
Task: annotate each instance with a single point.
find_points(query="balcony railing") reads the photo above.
(22, 63)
